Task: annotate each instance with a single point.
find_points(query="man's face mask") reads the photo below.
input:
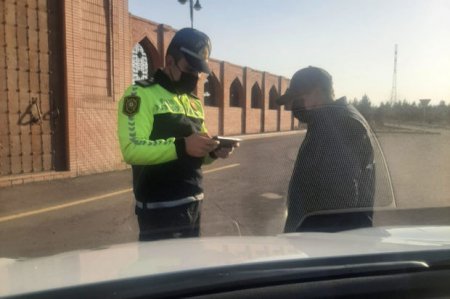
(299, 111)
(187, 82)
(302, 115)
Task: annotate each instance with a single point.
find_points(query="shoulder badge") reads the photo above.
(145, 83)
(131, 105)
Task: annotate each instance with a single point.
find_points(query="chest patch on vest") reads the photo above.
(193, 105)
(131, 105)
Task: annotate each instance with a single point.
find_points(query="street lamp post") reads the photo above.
(424, 103)
(192, 6)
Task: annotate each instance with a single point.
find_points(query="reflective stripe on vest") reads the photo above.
(169, 204)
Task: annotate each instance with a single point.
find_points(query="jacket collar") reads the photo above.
(162, 79)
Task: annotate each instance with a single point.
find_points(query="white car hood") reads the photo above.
(152, 258)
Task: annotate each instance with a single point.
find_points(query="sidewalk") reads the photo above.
(38, 195)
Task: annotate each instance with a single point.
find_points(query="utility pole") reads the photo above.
(394, 79)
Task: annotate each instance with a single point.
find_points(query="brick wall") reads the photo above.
(96, 50)
(233, 116)
(98, 47)
(286, 118)
(213, 113)
(254, 117)
(223, 119)
(271, 116)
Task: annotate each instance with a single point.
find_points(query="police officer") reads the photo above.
(162, 134)
(335, 164)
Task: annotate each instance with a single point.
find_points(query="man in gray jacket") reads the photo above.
(335, 167)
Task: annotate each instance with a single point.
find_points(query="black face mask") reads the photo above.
(302, 115)
(187, 82)
(300, 112)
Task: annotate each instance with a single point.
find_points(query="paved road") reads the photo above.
(420, 167)
(245, 195)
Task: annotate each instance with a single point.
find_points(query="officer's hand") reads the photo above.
(199, 145)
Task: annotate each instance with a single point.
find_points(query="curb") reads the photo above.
(268, 135)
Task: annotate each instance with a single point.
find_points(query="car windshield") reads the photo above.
(146, 122)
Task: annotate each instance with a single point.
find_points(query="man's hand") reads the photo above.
(199, 145)
(225, 152)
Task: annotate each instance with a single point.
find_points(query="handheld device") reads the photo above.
(226, 141)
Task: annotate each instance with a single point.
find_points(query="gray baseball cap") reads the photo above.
(304, 80)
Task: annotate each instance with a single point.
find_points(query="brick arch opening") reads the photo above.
(257, 97)
(145, 59)
(237, 94)
(211, 91)
(273, 95)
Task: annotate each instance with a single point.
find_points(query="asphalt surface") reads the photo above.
(245, 195)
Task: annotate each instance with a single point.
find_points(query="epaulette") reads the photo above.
(145, 83)
(194, 96)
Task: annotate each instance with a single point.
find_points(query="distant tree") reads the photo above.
(365, 107)
(379, 114)
(402, 111)
(441, 112)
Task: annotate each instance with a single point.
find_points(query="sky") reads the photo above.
(354, 40)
